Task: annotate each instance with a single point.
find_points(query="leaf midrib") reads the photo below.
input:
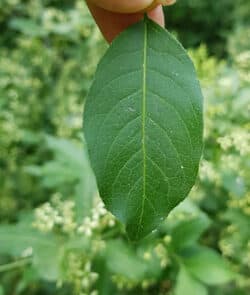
(144, 80)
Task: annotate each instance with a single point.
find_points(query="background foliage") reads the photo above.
(55, 235)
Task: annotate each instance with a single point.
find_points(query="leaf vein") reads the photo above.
(125, 164)
(179, 85)
(100, 90)
(179, 116)
(144, 90)
(171, 141)
(115, 139)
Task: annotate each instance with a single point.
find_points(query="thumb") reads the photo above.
(123, 6)
(112, 23)
(130, 6)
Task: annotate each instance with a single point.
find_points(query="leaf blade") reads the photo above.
(136, 123)
(186, 284)
(15, 239)
(208, 267)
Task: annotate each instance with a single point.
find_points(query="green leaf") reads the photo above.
(14, 240)
(207, 266)
(143, 127)
(123, 261)
(71, 165)
(27, 27)
(187, 285)
(187, 233)
(47, 261)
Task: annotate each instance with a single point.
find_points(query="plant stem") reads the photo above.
(15, 264)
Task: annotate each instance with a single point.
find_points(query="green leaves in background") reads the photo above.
(69, 167)
(186, 284)
(208, 267)
(187, 231)
(16, 240)
(143, 127)
(27, 27)
(48, 53)
(121, 259)
(201, 267)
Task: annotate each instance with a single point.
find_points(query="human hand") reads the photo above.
(113, 16)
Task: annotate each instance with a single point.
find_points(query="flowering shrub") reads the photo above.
(56, 237)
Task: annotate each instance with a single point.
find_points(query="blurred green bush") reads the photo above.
(209, 22)
(55, 235)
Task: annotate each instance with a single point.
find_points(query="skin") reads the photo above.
(113, 16)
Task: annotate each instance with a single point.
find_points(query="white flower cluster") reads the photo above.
(162, 252)
(226, 248)
(242, 204)
(99, 219)
(225, 142)
(80, 275)
(231, 162)
(124, 283)
(239, 139)
(58, 213)
(27, 252)
(207, 171)
(243, 62)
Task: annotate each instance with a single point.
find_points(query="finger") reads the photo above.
(128, 6)
(123, 6)
(111, 24)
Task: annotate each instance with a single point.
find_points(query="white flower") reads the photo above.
(27, 252)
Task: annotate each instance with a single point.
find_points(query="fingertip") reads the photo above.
(157, 15)
(111, 24)
(123, 6)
